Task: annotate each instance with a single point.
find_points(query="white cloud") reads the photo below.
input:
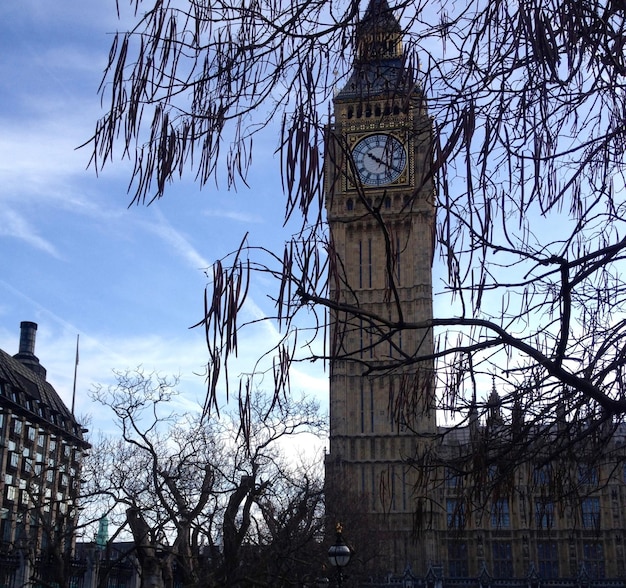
(234, 215)
(165, 231)
(13, 224)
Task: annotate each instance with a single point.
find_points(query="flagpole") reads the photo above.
(75, 372)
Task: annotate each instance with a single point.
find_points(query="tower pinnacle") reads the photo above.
(378, 34)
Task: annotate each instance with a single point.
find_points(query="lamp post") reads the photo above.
(339, 554)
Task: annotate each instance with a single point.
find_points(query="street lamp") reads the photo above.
(339, 554)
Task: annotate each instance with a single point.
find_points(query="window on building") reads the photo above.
(547, 560)
(14, 459)
(542, 476)
(457, 559)
(5, 530)
(17, 426)
(27, 465)
(455, 513)
(404, 490)
(398, 260)
(593, 557)
(369, 262)
(544, 513)
(588, 474)
(590, 508)
(502, 559)
(360, 263)
(500, 515)
(453, 479)
(372, 412)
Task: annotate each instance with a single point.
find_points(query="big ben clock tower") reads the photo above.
(380, 207)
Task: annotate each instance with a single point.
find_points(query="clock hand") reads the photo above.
(384, 163)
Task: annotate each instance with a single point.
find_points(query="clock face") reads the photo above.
(379, 159)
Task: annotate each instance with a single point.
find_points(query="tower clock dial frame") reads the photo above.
(378, 159)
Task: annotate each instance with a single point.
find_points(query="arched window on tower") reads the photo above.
(360, 263)
(398, 261)
(369, 262)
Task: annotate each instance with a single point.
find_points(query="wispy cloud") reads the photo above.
(234, 215)
(13, 224)
(181, 244)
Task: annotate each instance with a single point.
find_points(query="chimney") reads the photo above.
(26, 354)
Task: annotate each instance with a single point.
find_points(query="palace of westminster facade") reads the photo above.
(542, 521)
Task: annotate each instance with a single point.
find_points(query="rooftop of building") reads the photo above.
(24, 389)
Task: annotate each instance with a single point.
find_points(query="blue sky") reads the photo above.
(73, 257)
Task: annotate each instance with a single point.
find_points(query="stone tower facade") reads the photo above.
(380, 207)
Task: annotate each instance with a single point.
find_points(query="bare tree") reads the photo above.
(527, 101)
(203, 504)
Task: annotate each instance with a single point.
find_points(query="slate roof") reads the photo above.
(28, 393)
(372, 79)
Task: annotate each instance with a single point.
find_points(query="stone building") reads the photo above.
(41, 446)
(541, 521)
